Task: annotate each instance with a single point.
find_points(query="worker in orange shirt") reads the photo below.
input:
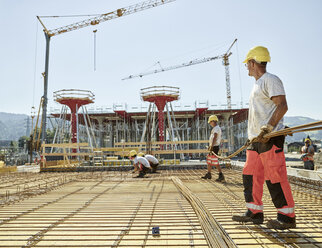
(308, 155)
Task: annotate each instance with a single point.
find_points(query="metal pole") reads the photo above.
(87, 130)
(90, 125)
(153, 124)
(44, 110)
(58, 127)
(94, 31)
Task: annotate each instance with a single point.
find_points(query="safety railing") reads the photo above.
(160, 91)
(74, 94)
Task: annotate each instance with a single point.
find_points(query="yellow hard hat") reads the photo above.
(212, 118)
(140, 154)
(258, 53)
(132, 153)
(307, 139)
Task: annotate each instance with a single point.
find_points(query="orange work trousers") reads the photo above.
(212, 159)
(266, 162)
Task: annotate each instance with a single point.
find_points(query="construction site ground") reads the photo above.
(113, 209)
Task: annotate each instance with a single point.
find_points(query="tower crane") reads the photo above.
(224, 57)
(82, 24)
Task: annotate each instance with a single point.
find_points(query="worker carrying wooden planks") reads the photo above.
(154, 162)
(214, 142)
(141, 164)
(265, 157)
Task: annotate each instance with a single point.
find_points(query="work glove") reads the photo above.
(290, 134)
(303, 156)
(210, 150)
(264, 130)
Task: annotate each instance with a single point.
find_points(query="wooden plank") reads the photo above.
(69, 154)
(167, 142)
(184, 151)
(125, 153)
(68, 145)
(180, 151)
(116, 149)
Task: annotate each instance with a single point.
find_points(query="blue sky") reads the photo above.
(172, 34)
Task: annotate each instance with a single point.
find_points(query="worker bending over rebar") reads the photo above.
(265, 158)
(214, 142)
(141, 164)
(154, 162)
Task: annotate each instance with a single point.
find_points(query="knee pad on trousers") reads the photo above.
(248, 187)
(277, 194)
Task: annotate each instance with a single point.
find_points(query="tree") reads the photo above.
(50, 135)
(22, 141)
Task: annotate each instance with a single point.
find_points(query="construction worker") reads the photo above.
(214, 142)
(141, 164)
(307, 154)
(154, 162)
(265, 158)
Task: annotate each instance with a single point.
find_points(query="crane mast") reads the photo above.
(226, 64)
(85, 23)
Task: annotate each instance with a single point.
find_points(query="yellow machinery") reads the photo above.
(2, 164)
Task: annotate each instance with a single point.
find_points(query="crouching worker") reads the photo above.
(141, 164)
(214, 142)
(154, 162)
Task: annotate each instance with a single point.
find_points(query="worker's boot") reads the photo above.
(207, 176)
(220, 178)
(249, 217)
(154, 168)
(286, 223)
(141, 175)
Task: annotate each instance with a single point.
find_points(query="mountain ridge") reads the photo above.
(13, 126)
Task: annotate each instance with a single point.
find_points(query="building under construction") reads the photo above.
(82, 191)
(162, 120)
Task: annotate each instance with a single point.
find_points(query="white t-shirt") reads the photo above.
(142, 160)
(216, 130)
(151, 159)
(261, 107)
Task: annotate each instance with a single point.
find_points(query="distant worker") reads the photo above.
(308, 155)
(265, 158)
(154, 162)
(141, 164)
(214, 142)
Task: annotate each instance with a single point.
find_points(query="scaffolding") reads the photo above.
(109, 128)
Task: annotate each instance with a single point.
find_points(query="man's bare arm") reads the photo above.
(280, 102)
(214, 140)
